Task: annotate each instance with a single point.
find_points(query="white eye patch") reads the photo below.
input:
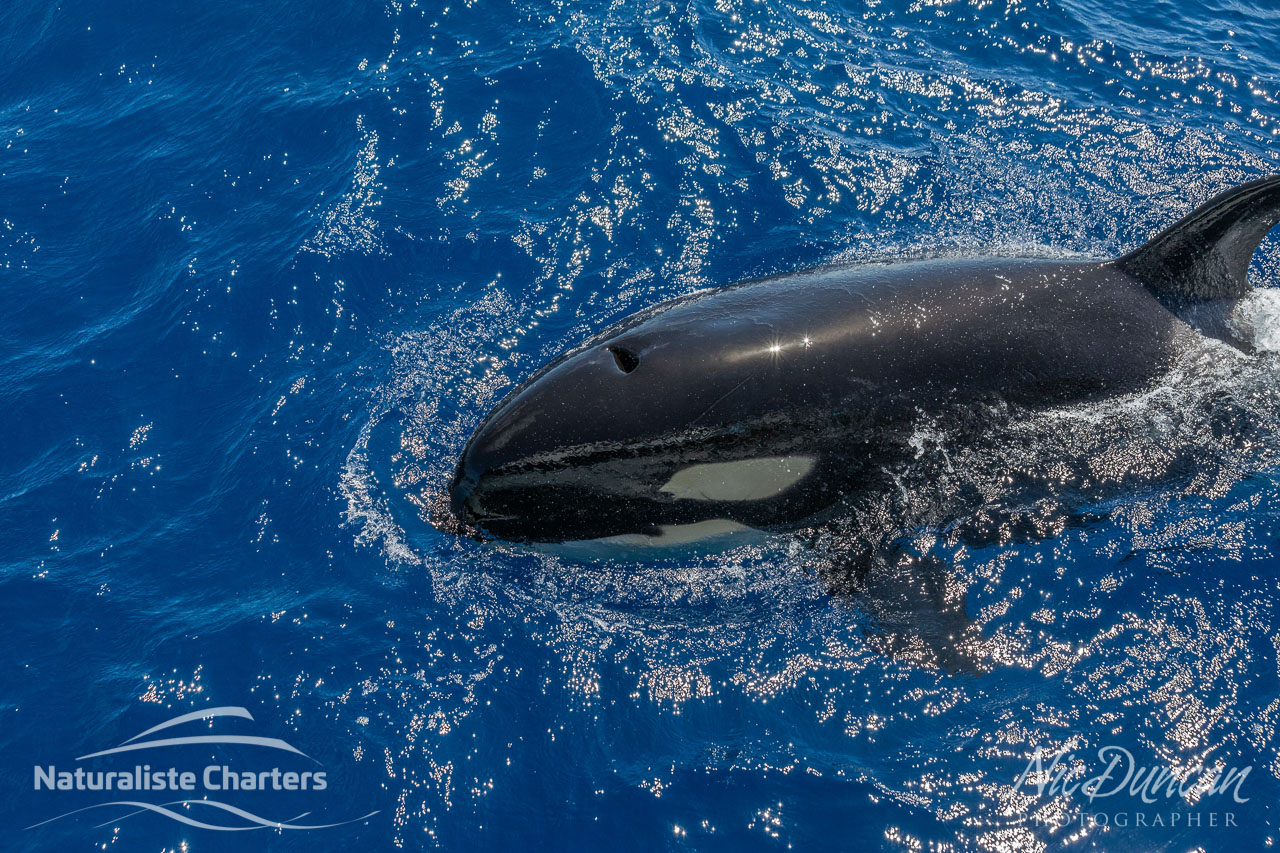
(744, 480)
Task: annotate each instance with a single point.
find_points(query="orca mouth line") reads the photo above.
(762, 430)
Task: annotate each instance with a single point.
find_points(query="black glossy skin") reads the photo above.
(839, 364)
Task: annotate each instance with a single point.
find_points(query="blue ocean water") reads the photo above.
(267, 265)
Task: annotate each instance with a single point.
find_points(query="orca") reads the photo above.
(763, 405)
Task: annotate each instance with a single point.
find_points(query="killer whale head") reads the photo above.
(660, 432)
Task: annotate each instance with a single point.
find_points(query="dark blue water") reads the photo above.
(266, 266)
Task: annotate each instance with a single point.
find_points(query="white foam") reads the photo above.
(1259, 312)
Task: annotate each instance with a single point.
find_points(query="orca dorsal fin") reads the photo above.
(1205, 255)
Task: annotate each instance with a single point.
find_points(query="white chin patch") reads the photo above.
(714, 534)
(744, 480)
(675, 535)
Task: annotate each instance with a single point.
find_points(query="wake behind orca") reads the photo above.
(766, 404)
